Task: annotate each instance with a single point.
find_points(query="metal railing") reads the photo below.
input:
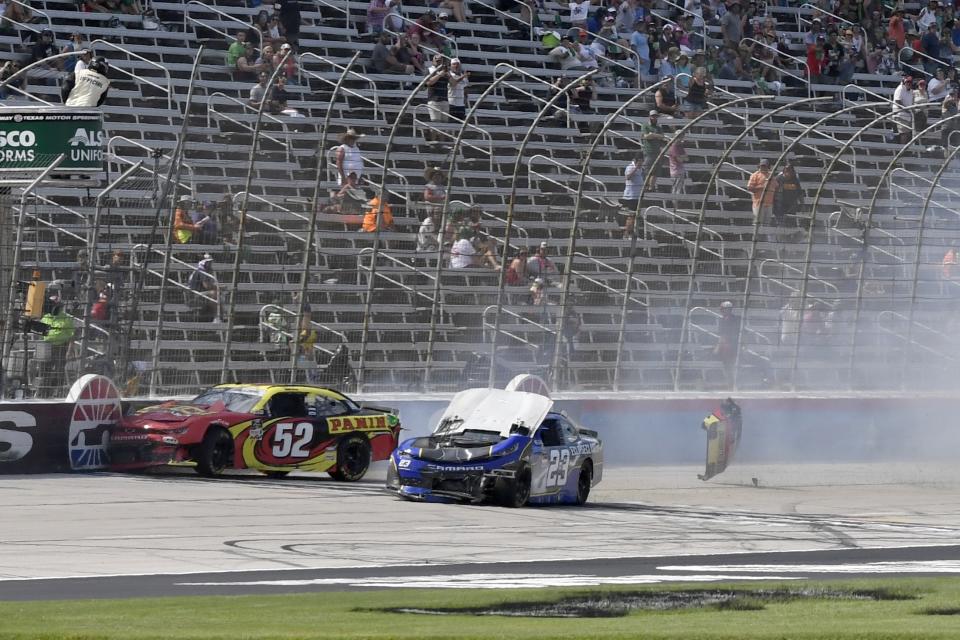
(212, 111)
(719, 254)
(133, 143)
(368, 251)
(448, 39)
(137, 260)
(607, 287)
(909, 339)
(429, 125)
(542, 101)
(636, 69)
(833, 230)
(828, 288)
(713, 335)
(403, 195)
(492, 326)
(510, 16)
(677, 89)
(196, 3)
(798, 61)
(946, 208)
(373, 101)
(268, 329)
(785, 139)
(574, 174)
(114, 66)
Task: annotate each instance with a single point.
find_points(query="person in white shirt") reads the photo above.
(88, 87)
(902, 98)
(463, 253)
(937, 87)
(633, 181)
(458, 79)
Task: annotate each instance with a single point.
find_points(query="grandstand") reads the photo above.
(861, 302)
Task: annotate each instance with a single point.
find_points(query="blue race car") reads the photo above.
(502, 446)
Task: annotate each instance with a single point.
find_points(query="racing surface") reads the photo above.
(167, 533)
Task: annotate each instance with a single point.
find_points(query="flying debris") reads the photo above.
(723, 428)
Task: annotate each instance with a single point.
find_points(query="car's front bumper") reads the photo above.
(430, 485)
(134, 452)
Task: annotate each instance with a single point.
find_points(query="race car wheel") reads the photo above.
(515, 493)
(276, 474)
(584, 481)
(353, 458)
(215, 453)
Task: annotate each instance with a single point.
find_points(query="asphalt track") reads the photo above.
(110, 535)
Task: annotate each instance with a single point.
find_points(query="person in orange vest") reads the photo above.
(370, 217)
(763, 194)
(950, 260)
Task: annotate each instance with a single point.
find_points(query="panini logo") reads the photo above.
(357, 423)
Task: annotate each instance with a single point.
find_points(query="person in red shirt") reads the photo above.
(896, 30)
(816, 60)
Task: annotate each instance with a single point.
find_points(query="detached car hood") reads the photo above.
(494, 410)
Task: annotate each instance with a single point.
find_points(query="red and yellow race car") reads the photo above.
(275, 429)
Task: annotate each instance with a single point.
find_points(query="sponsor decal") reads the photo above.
(96, 411)
(474, 467)
(15, 444)
(404, 463)
(357, 423)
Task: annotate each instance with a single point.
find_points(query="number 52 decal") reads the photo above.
(292, 440)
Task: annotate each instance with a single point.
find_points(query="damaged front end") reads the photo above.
(465, 468)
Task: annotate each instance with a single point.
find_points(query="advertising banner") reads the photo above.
(32, 139)
(33, 437)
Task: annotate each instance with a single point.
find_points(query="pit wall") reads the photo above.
(44, 437)
(782, 428)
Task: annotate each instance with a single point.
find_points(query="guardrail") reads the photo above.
(717, 237)
(827, 287)
(265, 326)
(605, 194)
(212, 111)
(168, 89)
(400, 263)
(883, 315)
(133, 143)
(428, 124)
(529, 94)
(374, 101)
(493, 327)
(246, 26)
(798, 61)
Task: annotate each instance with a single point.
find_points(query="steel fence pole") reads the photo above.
(572, 243)
(562, 91)
(238, 257)
(314, 210)
(809, 252)
(435, 309)
(371, 284)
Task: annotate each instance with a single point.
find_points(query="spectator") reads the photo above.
(437, 105)
(903, 98)
(582, 94)
(435, 191)
(538, 293)
(486, 256)
(463, 255)
(667, 67)
(683, 70)
(731, 25)
(209, 225)
(456, 7)
(517, 271)
(42, 50)
(571, 327)
(937, 88)
(949, 264)
(566, 54)
(428, 28)
(815, 32)
(377, 10)
(247, 66)
(762, 192)
(265, 60)
(947, 109)
(9, 68)
(75, 46)
(677, 157)
(394, 19)
(640, 43)
(275, 31)
(653, 141)
(666, 101)
(237, 49)
(696, 100)
(728, 340)
(408, 52)
(920, 114)
(384, 57)
(427, 241)
(290, 65)
(289, 12)
(183, 226)
(349, 200)
(896, 30)
(57, 328)
(930, 41)
(540, 266)
(349, 158)
(203, 271)
(306, 356)
(229, 223)
(259, 30)
(788, 196)
(457, 89)
(259, 91)
(87, 87)
(370, 217)
(633, 184)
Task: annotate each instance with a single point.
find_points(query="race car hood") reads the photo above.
(168, 412)
(494, 410)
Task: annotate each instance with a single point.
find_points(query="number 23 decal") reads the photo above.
(557, 471)
(292, 440)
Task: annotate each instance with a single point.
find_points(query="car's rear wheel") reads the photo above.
(353, 458)
(276, 474)
(215, 452)
(584, 482)
(516, 493)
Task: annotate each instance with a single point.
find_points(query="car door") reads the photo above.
(290, 434)
(549, 458)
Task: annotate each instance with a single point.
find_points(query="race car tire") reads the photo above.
(353, 458)
(215, 452)
(276, 474)
(584, 482)
(516, 493)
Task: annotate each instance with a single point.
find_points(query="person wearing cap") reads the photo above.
(183, 225)
(44, 48)
(541, 266)
(652, 141)
(762, 192)
(290, 64)
(902, 99)
(728, 339)
(349, 158)
(927, 16)
(458, 80)
(731, 24)
(930, 42)
(370, 217)
(816, 30)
